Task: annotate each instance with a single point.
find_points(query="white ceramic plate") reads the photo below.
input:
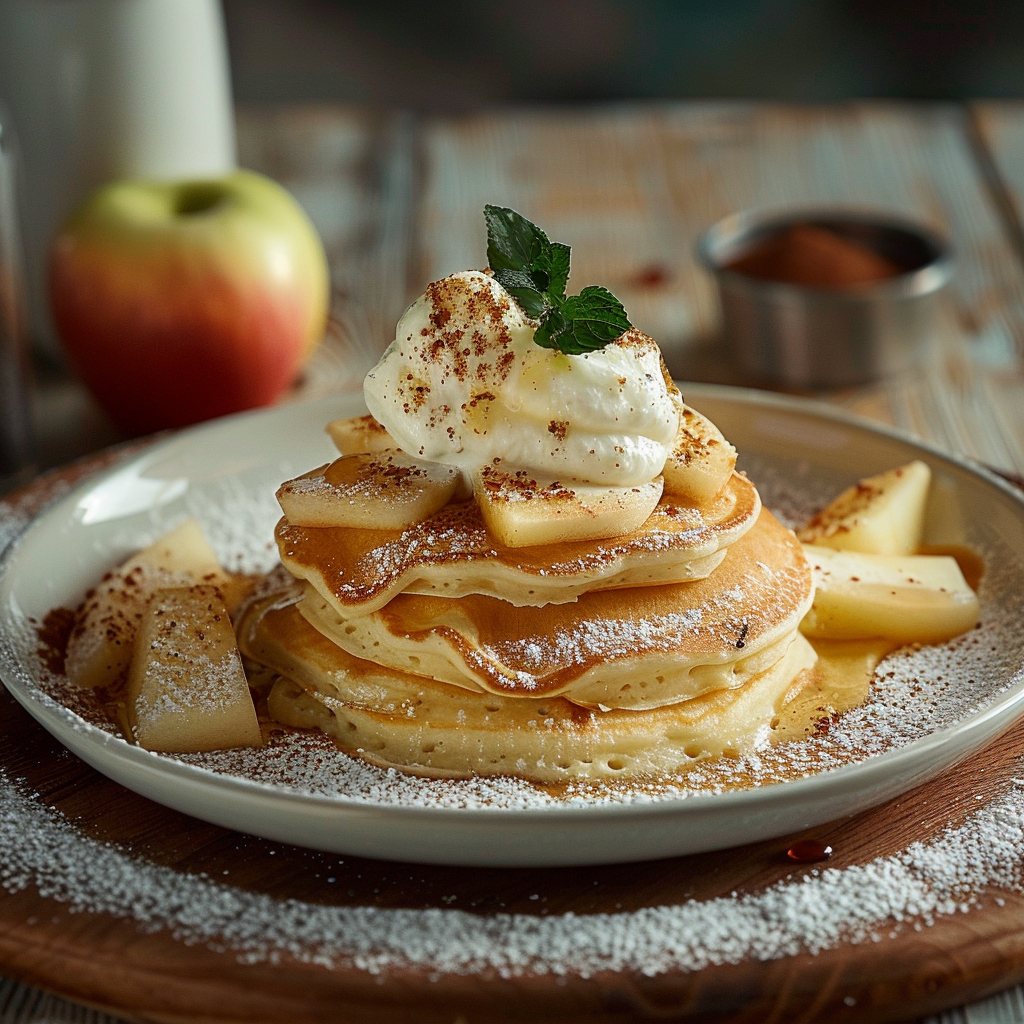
(226, 473)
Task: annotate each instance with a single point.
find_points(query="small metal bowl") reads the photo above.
(811, 337)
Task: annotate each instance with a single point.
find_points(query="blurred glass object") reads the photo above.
(16, 449)
(108, 89)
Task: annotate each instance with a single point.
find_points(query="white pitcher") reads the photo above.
(107, 89)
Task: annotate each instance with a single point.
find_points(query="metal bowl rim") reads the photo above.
(733, 229)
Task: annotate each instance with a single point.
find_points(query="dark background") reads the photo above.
(462, 55)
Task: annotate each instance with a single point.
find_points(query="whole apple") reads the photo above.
(181, 301)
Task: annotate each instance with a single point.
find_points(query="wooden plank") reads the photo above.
(631, 188)
(1000, 128)
(1000, 131)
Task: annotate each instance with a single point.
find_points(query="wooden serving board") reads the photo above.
(108, 961)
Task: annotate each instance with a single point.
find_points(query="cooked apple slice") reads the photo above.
(359, 434)
(701, 461)
(186, 686)
(881, 515)
(906, 598)
(388, 489)
(521, 513)
(100, 645)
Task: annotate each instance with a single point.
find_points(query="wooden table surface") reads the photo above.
(398, 201)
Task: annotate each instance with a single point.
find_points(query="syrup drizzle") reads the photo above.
(809, 851)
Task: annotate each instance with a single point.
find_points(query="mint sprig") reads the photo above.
(535, 272)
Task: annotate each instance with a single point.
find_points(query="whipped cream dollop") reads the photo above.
(465, 384)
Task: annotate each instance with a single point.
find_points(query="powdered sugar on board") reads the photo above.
(811, 913)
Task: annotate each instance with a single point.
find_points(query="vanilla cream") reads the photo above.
(465, 384)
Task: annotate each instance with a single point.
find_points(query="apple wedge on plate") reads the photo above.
(100, 645)
(880, 515)
(905, 598)
(187, 690)
(869, 581)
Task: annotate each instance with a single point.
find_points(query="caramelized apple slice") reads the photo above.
(521, 513)
(186, 687)
(907, 598)
(359, 434)
(881, 515)
(701, 460)
(388, 489)
(100, 645)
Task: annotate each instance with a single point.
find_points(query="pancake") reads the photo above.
(451, 553)
(638, 648)
(425, 727)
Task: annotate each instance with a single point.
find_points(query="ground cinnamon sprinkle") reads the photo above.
(53, 633)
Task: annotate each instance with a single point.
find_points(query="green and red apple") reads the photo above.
(181, 301)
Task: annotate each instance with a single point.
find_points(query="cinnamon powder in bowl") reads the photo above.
(825, 299)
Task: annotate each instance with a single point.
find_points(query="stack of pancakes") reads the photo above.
(435, 649)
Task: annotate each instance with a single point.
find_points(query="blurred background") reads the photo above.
(107, 89)
(463, 55)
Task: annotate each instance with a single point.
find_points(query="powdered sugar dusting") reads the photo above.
(811, 913)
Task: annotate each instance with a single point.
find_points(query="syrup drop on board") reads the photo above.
(809, 851)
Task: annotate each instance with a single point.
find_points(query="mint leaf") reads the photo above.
(554, 262)
(593, 319)
(523, 289)
(552, 327)
(535, 272)
(513, 243)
